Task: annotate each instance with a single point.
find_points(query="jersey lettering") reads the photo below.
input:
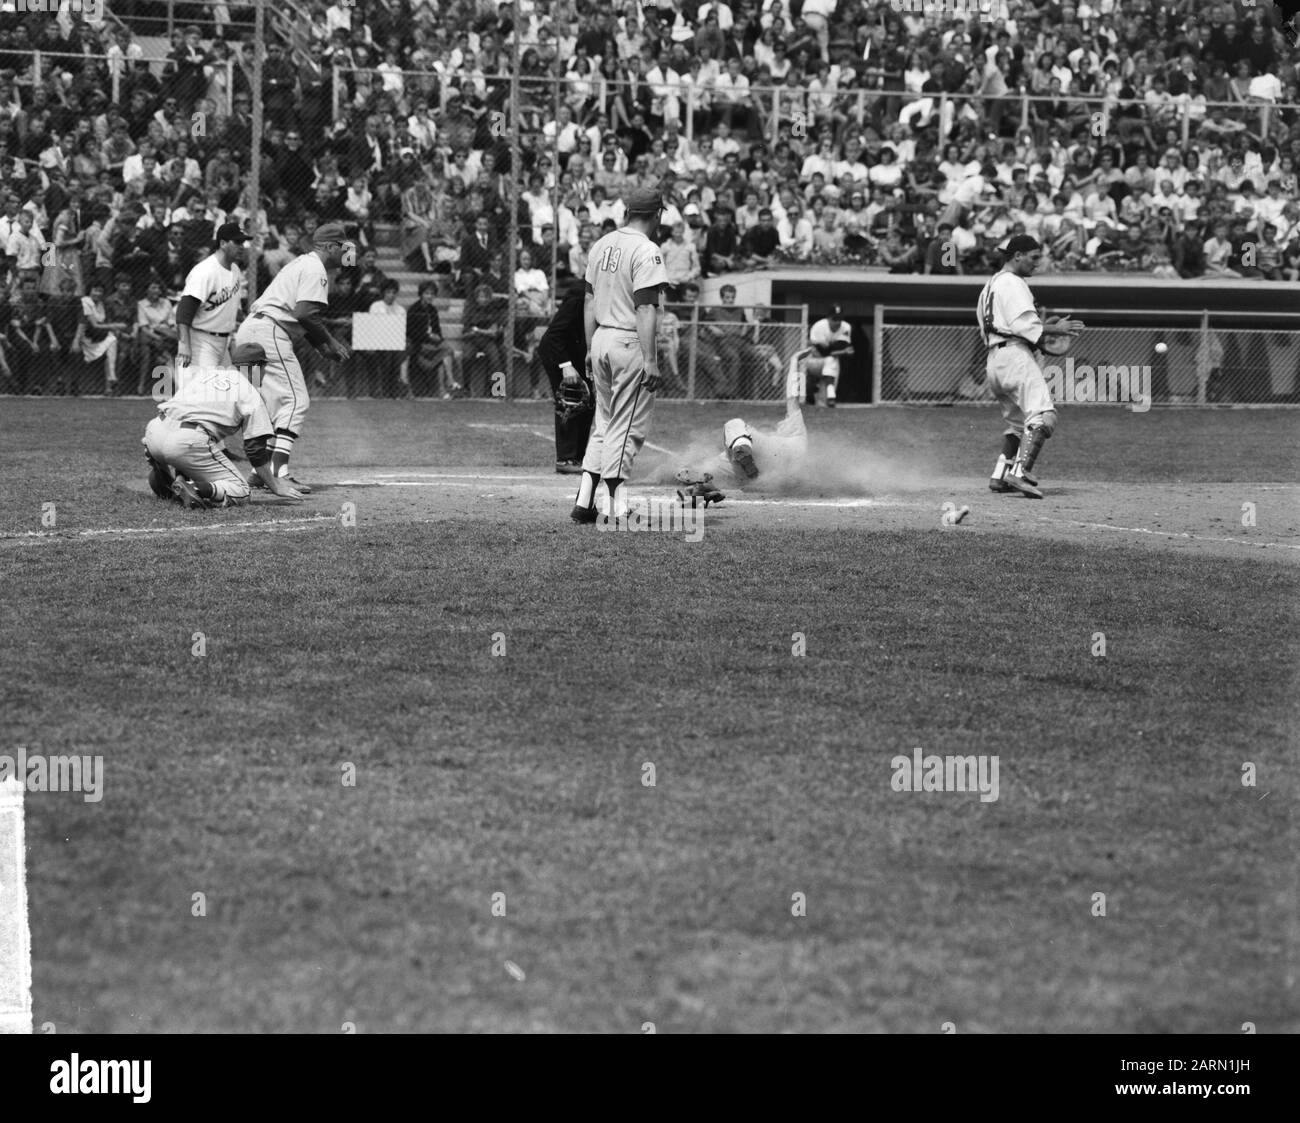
(609, 259)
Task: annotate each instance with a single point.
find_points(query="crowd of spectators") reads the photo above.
(1159, 137)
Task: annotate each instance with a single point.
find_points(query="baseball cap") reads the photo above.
(330, 232)
(1022, 243)
(232, 232)
(643, 200)
(836, 312)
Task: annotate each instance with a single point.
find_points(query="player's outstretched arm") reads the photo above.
(275, 484)
(259, 456)
(308, 315)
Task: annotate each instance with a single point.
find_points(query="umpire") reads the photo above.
(565, 345)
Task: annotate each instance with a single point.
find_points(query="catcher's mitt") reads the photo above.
(697, 486)
(1056, 344)
(573, 399)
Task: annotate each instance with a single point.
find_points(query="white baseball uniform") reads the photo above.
(621, 264)
(186, 436)
(778, 454)
(217, 289)
(273, 323)
(821, 364)
(1010, 327)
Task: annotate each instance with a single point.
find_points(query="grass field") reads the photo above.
(522, 773)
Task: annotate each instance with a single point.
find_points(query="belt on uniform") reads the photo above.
(1007, 342)
(218, 334)
(613, 327)
(196, 425)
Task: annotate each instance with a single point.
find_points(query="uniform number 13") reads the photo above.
(609, 259)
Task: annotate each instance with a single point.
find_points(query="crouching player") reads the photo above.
(183, 443)
(828, 341)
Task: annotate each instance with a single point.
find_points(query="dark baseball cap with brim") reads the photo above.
(1022, 243)
(232, 232)
(329, 233)
(643, 200)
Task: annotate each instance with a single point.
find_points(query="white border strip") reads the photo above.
(15, 934)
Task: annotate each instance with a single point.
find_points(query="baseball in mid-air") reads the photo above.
(1161, 348)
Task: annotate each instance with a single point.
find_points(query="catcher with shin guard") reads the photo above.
(1015, 333)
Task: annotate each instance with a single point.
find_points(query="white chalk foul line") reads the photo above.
(211, 528)
(15, 935)
(433, 476)
(1167, 533)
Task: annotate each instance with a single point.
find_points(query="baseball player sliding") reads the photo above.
(209, 305)
(290, 309)
(1014, 333)
(183, 443)
(625, 279)
(749, 453)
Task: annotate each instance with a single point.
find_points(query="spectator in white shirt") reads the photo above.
(817, 16)
(722, 11)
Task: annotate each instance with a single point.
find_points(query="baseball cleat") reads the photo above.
(999, 486)
(303, 488)
(1022, 485)
(187, 495)
(568, 467)
(585, 515)
(743, 455)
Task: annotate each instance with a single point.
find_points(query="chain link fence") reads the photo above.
(1205, 361)
(722, 351)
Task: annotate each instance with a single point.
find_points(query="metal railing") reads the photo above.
(695, 106)
(1194, 357)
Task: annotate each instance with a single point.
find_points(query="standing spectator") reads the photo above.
(121, 308)
(430, 360)
(155, 332)
(30, 337)
(68, 240)
(386, 366)
(26, 247)
(189, 83)
(476, 253)
(279, 86)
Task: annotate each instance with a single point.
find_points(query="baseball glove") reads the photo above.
(1059, 344)
(697, 486)
(574, 399)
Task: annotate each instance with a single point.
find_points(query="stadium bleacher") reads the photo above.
(1132, 136)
